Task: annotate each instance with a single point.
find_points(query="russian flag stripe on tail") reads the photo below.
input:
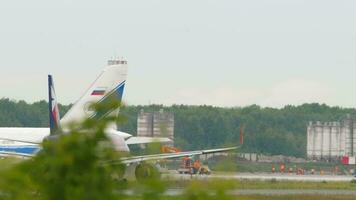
(98, 93)
(115, 94)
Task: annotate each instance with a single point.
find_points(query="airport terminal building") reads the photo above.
(331, 140)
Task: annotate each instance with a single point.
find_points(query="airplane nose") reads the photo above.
(125, 135)
(119, 142)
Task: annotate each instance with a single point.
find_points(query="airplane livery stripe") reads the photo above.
(112, 91)
(116, 94)
(19, 149)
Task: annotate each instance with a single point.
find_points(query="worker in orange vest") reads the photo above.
(197, 166)
(282, 168)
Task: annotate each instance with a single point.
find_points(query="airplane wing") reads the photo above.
(26, 135)
(135, 159)
(36, 136)
(145, 140)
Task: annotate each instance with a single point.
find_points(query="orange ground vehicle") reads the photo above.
(168, 149)
(188, 166)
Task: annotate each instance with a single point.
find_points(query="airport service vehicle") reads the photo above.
(190, 166)
(109, 85)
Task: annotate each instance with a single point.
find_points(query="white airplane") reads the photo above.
(109, 84)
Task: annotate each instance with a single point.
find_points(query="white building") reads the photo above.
(157, 124)
(331, 140)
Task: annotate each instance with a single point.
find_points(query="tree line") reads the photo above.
(266, 130)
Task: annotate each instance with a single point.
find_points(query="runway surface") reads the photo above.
(173, 175)
(264, 192)
(263, 177)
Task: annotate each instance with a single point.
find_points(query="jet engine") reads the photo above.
(141, 172)
(146, 171)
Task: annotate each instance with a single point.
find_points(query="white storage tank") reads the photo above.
(331, 140)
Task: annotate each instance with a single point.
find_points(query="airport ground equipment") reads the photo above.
(348, 160)
(186, 166)
(169, 149)
(189, 166)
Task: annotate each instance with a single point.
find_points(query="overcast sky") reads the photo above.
(221, 52)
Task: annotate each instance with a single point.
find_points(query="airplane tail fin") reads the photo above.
(108, 86)
(54, 116)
